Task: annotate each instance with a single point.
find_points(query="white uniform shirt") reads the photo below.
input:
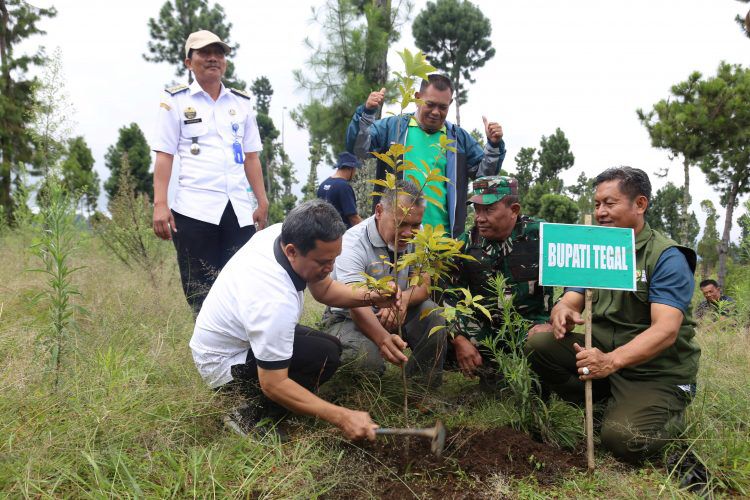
(255, 303)
(212, 177)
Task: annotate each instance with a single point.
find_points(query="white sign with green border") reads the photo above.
(587, 256)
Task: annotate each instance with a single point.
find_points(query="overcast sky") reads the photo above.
(582, 65)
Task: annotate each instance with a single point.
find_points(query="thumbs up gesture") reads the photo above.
(375, 99)
(493, 130)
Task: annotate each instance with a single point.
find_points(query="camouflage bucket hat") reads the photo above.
(488, 190)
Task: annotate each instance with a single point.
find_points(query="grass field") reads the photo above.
(131, 417)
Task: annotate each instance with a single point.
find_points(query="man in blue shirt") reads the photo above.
(337, 191)
(644, 359)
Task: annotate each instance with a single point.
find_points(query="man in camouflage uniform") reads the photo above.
(504, 243)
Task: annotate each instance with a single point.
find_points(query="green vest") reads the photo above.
(618, 316)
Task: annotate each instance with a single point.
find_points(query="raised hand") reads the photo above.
(375, 99)
(493, 130)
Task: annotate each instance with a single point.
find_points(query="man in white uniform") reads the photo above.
(213, 131)
(247, 339)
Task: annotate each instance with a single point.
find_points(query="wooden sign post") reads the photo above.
(588, 387)
(586, 256)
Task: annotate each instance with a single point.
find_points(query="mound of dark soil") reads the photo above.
(476, 454)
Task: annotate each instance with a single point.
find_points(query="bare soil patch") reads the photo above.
(470, 458)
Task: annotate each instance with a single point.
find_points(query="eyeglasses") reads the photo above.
(433, 105)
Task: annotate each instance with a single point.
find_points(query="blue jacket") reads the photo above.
(365, 134)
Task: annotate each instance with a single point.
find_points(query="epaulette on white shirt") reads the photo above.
(241, 93)
(176, 89)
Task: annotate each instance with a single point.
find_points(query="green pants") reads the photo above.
(639, 416)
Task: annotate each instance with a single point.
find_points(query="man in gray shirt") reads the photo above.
(368, 334)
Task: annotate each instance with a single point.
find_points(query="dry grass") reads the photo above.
(133, 418)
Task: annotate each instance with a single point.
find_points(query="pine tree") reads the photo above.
(555, 157)
(317, 154)
(584, 193)
(345, 67)
(78, 172)
(672, 124)
(455, 37)
(664, 215)
(18, 22)
(132, 142)
(526, 167)
(177, 19)
(708, 246)
(744, 22)
(725, 98)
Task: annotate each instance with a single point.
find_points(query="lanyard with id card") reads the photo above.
(239, 157)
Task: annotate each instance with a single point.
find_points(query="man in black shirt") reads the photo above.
(337, 191)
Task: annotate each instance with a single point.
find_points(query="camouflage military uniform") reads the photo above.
(517, 260)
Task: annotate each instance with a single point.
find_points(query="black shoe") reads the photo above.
(690, 470)
(247, 421)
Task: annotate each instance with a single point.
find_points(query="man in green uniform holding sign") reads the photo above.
(644, 359)
(504, 243)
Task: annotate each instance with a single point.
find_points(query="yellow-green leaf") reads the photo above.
(434, 202)
(484, 310)
(435, 329)
(427, 312)
(384, 158)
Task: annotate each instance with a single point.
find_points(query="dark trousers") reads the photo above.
(203, 249)
(640, 416)
(315, 359)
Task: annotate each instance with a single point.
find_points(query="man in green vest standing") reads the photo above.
(644, 359)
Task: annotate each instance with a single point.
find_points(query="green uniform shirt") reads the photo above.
(426, 147)
(516, 259)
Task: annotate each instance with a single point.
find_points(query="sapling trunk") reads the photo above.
(399, 322)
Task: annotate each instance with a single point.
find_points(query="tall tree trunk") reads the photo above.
(724, 245)
(6, 202)
(380, 76)
(685, 223)
(6, 162)
(4, 23)
(185, 18)
(385, 24)
(458, 101)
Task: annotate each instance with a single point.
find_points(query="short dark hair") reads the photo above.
(705, 283)
(634, 182)
(404, 187)
(309, 222)
(440, 82)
